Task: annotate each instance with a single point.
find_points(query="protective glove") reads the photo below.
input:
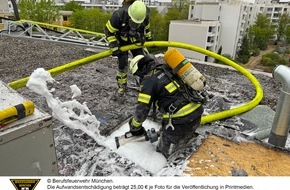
(114, 46)
(116, 51)
(136, 131)
(148, 39)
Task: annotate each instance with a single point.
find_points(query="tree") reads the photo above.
(219, 52)
(244, 53)
(41, 11)
(173, 14)
(181, 5)
(72, 6)
(272, 59)
(90, 19)
(157, 23)
(260, 32)
(284, 20)
(287, 34)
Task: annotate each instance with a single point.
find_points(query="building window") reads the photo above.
(210, 29)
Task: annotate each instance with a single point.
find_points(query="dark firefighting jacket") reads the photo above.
(118, 31)
(157, 88)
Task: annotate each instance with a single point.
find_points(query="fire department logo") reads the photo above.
(25, 184)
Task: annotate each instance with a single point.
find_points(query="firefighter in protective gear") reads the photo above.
(181, 117)
(128, 25)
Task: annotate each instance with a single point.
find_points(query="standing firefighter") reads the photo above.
(128, 25)
(179, 103)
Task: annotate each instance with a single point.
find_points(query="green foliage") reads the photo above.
(41, 11)
(184, 13)
(272, 59)
(90, 19)
(160, 24)
(173, 14)
(180, 5)
(243, 59)
(157, 25)
(244, 53)
(287, 34)
(72, 6)
(255, 51)
(260, 32)
(226, 56)
(284, 20)
(95, 19)
(219, 52)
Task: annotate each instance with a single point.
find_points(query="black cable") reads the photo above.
(16, 12)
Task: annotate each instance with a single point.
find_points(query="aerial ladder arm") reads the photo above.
(54, 33)
(50, 32)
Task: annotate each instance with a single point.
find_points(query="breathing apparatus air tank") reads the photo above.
(184, 69)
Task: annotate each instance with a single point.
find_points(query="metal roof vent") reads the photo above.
(281, 122)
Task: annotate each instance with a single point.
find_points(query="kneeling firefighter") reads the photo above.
(180, 104)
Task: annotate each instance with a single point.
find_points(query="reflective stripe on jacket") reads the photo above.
(156, 88)
(117, 28)
(185, 110)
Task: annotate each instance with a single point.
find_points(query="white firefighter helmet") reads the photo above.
(137, 12)
(134, 63)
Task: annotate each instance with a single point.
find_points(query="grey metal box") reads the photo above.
(27, 145)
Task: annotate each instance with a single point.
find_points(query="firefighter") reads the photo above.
(181, 115)
(128, 25)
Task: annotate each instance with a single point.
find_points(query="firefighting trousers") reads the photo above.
(172, 140)
(123, 58)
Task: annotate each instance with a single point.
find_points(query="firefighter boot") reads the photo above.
(122, 82)
(165, 146)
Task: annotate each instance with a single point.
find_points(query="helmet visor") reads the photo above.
(133, 25)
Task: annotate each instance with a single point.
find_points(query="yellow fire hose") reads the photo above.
(16, 112)
(205, 119)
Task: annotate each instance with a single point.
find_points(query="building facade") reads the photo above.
(203, 34)
(234, 18)
(5, 11)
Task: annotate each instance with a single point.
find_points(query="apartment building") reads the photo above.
(4, 7)
(203, 34)
(234, 18)
(5, 11)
